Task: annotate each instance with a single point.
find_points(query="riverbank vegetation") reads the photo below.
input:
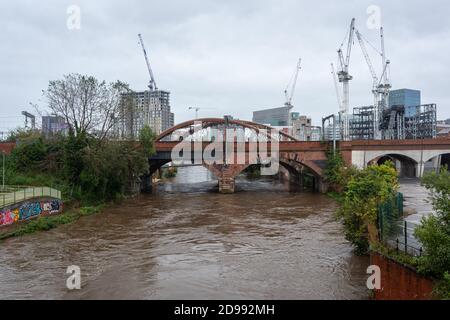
(86, 162)
(46, 223)
(360, 193)
(434, 232)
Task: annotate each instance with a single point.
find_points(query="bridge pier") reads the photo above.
(226, 185)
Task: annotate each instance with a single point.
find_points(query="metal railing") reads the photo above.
(13, 194)
(394, 230)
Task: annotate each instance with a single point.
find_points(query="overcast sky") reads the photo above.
(227, 57)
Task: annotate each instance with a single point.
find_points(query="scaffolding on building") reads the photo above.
(423, 124)
(393, 124)
(362, 123)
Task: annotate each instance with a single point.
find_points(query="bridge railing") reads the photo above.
(13, 194)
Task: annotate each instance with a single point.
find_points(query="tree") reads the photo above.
(365, 191)
(88, 105)
(434, 231)
(147, 138)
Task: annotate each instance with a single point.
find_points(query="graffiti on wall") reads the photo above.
(30, 210)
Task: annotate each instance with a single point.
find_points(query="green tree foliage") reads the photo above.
(86, 168)
(434, 231)
(335, 167)
(364, 192)
(147, 138)
(336, 172)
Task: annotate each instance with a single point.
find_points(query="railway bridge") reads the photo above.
(226, 147)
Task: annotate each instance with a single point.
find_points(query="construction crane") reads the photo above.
(152, 84)
(336, 87)
(290, 89)
(380, 86)
(196, 111)
(344, 77)
(32, 119)
(384, 86)
(375, 84)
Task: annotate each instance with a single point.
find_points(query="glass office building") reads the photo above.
(276, 117)
(408, 98)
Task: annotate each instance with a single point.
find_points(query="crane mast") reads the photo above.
(336, 87)
(152, 84)
(375, 86)
(385, 85)
(344, 77)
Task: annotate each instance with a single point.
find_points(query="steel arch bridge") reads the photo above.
(248, 143)
(294, 156)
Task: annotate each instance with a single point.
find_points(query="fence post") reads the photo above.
(14, 196)
(397, 245)
(4, 199)
(406, 237)
(33, 193)
(24, 193)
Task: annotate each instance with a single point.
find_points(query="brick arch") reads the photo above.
(298, 159)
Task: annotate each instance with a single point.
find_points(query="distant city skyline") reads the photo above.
(222, 57)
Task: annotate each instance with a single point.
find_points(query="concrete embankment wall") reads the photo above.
(29, 209)
(399, 282)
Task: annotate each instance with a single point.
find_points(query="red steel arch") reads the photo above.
(207, 122)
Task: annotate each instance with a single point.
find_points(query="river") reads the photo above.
(186, 241)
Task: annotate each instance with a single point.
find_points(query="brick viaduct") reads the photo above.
(410, 156)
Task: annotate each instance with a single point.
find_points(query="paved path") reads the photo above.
(416, 199)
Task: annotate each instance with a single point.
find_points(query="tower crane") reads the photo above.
(344, 77)
(374, 85)
(385, 85)
(290, 89)
(152, 84)
(196, 109)
(336, 87)
(380, 86)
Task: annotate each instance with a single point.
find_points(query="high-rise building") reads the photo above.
(276, 117)
(142, 108)
(408, 98)
(52, 125)
(302, 128)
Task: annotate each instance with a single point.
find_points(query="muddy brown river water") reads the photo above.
(186, 241)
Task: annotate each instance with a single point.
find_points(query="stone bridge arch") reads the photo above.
(404, 164)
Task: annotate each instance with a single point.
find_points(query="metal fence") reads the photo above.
(13, 194)
(394, 230)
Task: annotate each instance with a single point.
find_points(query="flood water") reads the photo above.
(186, 241)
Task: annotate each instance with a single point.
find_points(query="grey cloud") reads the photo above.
(229, 56)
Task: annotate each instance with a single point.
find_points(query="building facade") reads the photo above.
(303, 130)
(276, 117)
(142, 108)
(410, 99)
(52, 125)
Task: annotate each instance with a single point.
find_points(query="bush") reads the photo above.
(84, 168)
(364, 192)
(434, 231)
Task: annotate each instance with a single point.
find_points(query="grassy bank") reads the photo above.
(46, 223)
